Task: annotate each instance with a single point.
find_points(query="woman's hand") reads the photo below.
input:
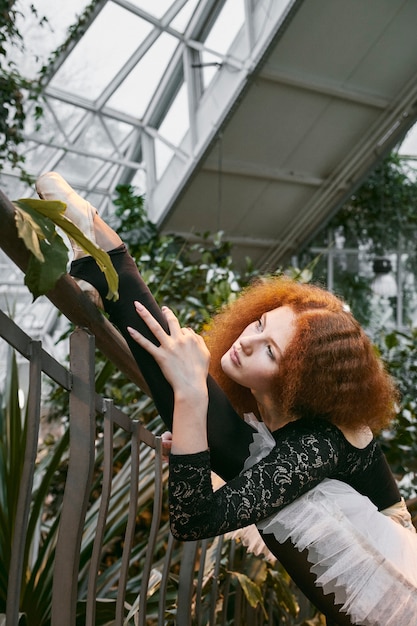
(182, 355)
(166, 438)
(184, 360)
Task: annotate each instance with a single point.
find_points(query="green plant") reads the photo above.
(382, 209)
(398, 349)
(375, 219)
(195, 279)
(41, 535)
(35, 222)
(39, 547)
(378, 219)
(16, 89)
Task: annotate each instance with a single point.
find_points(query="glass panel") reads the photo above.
(230, 20)
(78, 169)
(135, 93)
(221, 36)
(182, 19)
(49, 129)
(106, 47)
(69, 116)
(211, 65)
(118, 130)
(14, 189)
(139, 182)
(41, 40)
(176, 121)
(38, 157)
(11, 274)
(409, 145)
(163, 155)
(95, 140)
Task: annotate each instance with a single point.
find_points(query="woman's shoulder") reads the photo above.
(360, 440)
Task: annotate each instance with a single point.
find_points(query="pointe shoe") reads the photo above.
(51, 186)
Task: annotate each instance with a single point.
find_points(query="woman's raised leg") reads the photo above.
(229, 436)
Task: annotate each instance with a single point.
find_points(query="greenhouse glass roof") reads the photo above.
(257, 118)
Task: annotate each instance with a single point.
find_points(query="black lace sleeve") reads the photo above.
(296, 464)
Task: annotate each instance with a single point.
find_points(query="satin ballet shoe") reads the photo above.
(51, 186)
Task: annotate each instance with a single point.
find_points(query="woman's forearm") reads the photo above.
(189, 431)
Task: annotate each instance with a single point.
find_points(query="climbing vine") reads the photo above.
(18, 91)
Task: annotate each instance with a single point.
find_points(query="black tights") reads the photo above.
(229, 436)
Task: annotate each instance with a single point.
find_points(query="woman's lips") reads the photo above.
(234, 356)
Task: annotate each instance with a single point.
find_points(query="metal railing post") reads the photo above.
(79, 478)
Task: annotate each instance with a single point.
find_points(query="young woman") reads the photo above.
(294, 357)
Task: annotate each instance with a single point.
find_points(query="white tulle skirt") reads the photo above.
(368, 560)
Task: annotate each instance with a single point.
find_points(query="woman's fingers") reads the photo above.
(154, 326)
(182, 355)
(166, 444)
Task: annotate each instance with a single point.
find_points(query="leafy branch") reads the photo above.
(36, 221)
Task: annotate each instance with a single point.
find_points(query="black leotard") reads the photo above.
(305, 453)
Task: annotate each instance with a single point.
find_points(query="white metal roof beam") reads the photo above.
(85, 153)
(219, 97)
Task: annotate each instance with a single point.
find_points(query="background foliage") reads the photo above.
(16, 90)
(377, 219)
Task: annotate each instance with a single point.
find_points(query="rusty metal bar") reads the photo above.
(215, 581)
(226, 589)
(164, 580)
(130, 529)
(102, 514)
(156, 519)
(19, 340)
(25, 488)
(79, 478)
(186, 583)
(200, 582)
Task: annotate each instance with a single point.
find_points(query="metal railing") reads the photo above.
(84, 406)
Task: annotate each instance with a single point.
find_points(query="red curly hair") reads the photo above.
(329, 370)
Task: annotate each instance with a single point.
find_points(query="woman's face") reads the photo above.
(254, 358)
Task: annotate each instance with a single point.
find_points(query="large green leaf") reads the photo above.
(35, 220)
(252, 591)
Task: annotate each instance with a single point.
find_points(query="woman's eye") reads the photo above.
(270, 352)
(259, 324)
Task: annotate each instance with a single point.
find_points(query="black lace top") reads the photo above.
(306, 453)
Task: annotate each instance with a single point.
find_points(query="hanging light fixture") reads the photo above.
(384, 283)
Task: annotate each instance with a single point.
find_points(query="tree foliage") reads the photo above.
(377, 220)
(382, 210)
(16, 90)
